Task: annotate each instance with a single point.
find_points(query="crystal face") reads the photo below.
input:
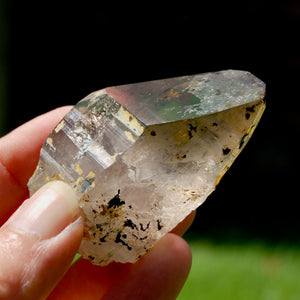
(143, 156)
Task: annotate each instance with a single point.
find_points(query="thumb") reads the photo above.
(38, 242)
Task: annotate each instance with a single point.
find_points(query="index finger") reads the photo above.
(19, 155)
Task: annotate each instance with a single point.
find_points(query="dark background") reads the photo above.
(59, 53)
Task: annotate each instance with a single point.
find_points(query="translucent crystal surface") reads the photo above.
(143, 156)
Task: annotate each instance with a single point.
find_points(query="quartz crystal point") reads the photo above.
(143, 156)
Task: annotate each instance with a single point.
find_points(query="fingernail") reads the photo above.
(48, 211)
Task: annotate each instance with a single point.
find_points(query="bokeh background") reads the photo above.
(55, 54)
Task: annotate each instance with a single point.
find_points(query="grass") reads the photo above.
(242, 270)
(252, 270)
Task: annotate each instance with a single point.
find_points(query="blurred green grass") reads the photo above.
(245, 271)
(251, 270)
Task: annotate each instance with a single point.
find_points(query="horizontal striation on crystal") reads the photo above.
(143, 156)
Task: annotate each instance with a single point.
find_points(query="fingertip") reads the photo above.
(181, 251)
(160, 274)
(184, 225)
(94, 280)
(48, 227)
(175, 256)
(52, 258)
(53, 207)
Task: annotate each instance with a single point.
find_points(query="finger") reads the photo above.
(97, 280)
(160, 274)
(86, 281)
(19, 155)
(38, 242)
(184, 225)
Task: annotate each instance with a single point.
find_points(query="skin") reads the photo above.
(42, 269)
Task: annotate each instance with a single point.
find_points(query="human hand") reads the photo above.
(40, 239)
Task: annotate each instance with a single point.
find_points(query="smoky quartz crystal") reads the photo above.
(143, 156)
